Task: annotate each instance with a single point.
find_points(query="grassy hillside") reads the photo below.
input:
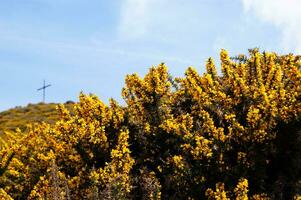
(20, 117)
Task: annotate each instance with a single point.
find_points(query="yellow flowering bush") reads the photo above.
(234, 134)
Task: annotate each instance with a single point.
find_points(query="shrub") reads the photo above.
(234, 135)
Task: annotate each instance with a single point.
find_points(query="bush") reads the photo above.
(234, 135)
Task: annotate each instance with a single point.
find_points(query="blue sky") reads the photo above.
(89, 46)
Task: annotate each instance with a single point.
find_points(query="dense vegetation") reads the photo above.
(234, 135)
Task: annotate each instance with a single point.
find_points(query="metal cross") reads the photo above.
(43, 88)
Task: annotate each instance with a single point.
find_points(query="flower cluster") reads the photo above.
(193, 137)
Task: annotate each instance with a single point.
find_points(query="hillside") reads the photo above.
(20, 117)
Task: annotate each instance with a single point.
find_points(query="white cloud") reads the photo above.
(135, 17)
(158, 20)
(79, 50)
(284, 14)
(147, 26)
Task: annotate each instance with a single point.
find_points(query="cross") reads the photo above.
(43, 88)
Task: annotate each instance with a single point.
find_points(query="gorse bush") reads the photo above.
(234, 135)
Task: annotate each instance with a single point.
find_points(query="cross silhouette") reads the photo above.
(44, 88)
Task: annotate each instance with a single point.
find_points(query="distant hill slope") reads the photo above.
(20, 117)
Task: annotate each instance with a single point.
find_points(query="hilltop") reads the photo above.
(21, 116)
